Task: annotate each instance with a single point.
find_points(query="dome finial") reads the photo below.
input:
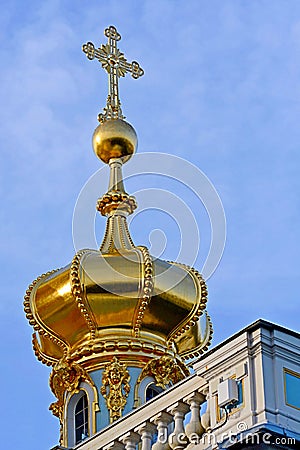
(116, 65)
(114, 142)
(113, 138)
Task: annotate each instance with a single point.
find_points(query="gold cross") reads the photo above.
(115, 63)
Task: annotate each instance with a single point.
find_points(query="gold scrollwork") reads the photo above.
(164, 370)
(65, 377)
(115, 387)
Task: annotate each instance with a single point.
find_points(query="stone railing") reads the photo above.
(161, 423)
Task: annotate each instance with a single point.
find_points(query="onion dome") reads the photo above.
(118, 298)
(118, 304)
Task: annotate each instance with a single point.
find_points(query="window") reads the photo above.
(80, 414)
(81, 419)
(144, 390)
(152, 391)
(292, 388)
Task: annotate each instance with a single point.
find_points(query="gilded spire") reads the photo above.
(116, 65)
(116, 205)
(114, 142)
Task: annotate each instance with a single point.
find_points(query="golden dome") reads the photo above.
(122, 301)
(118, 299)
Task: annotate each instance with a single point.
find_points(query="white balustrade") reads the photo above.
(159, 423)
(194, 428)
(178, 439)
(146, 431)
(205, 419)
(162, 420)
(130, 440)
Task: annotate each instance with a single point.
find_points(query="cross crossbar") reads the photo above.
(116, 65)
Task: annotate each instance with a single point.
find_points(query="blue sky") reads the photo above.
(221, 89)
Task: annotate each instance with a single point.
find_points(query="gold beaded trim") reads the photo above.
(198, 309)
(31, 318)
(77, 291)
(147, 290)
(200, 351)
(116, 200)
(39, 354)
(108, 346)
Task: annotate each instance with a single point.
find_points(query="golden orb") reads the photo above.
(114, 138)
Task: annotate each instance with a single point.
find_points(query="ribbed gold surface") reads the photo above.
(99, 296)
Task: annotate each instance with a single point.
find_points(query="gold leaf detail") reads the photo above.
(65, 377)
(115, 387)
(165, 370)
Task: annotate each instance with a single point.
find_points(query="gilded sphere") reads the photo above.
(114, 138)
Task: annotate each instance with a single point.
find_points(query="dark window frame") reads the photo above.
(81, 418)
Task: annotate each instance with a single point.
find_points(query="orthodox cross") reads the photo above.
(116, 65)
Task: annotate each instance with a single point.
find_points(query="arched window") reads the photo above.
(81, 418)
(80, 414)
(152, 391)
(144, 390)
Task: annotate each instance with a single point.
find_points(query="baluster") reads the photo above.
(130, 440)
(205, 418)
(146, 431)
(194, 428)
(162, 420)
(178, 439)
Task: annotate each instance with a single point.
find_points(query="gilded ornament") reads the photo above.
(165, 371)
(115, 387)
(122, 301)
(65, 377)
(114, 138)
(104, 302)
(116, 65)
(116, 200)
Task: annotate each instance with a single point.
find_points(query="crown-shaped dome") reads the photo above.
(116, 305)
(118, 298)
(123, 301)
